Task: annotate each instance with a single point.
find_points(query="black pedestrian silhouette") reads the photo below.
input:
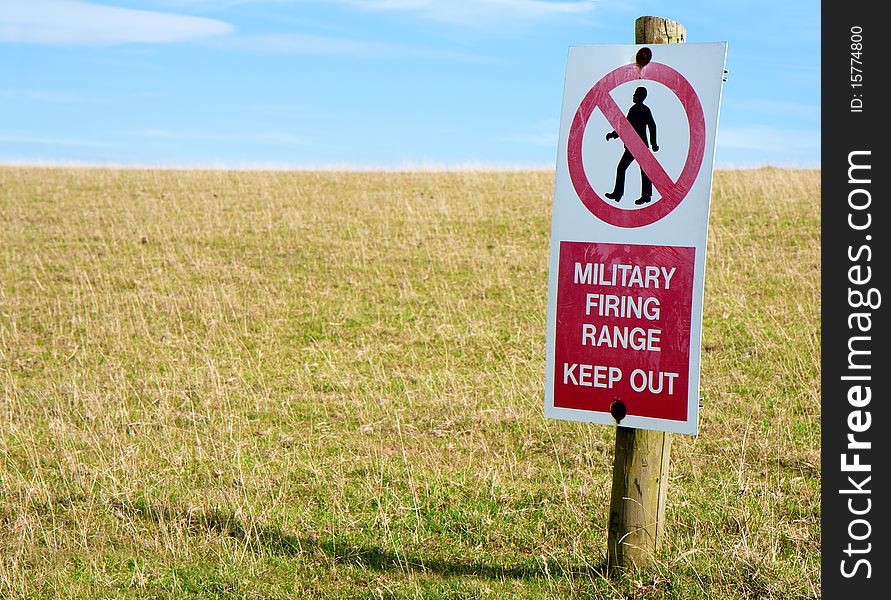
(641, 119)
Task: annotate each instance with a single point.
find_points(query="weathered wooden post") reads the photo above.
(608, 358)
(640, 468)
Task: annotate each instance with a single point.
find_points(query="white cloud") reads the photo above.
(541, 133)
(475, 12)
(71, 22)
(304, 43)
(47, 96)
(535, 139)
(38, 140)
(757, 145)
(270, 137)
(300, 43)
(785, 108)
(769, 139)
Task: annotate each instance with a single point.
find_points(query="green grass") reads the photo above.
(329, 385)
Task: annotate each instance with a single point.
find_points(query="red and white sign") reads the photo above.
(626, 276)
(623, 315)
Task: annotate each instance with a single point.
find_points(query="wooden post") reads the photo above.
(637, 504)
(640, 467)
(656, 30)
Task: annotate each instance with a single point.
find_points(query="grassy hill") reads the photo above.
(246, 384)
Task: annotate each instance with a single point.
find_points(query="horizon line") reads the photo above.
(348, 167)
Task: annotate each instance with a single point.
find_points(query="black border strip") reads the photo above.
(854, 336)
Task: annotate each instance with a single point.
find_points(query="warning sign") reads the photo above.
(628, 244)
(623, 314)
(633, 132)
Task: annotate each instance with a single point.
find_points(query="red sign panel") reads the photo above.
(623, 328)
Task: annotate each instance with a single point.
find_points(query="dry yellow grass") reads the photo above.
(220, 384)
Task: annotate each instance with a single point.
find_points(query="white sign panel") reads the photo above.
(628, 235)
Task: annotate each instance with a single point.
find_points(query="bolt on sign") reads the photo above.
(628, 234)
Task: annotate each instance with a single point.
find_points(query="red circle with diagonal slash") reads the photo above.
(672, 191)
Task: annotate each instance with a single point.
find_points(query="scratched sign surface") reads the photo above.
(628, 234)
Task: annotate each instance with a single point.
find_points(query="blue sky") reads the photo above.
(367, 83)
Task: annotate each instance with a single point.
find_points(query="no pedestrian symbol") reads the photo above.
(672, 192)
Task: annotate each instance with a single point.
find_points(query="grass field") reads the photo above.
(257, 384)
